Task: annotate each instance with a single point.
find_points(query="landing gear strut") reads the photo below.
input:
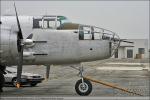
(83, 86)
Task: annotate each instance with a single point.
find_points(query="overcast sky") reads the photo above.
(130, 19)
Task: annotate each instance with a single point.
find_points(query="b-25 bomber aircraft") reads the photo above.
(53, 39)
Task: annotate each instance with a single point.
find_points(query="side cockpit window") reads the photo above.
(47, 22)
(50, 22)
(37, 23)
(89, 33)
(85, 33)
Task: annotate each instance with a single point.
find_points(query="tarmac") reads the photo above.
(132, 74)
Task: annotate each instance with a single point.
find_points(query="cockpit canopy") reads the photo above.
(49, 22)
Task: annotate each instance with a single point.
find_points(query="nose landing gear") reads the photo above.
(83, 86)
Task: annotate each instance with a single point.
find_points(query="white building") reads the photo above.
(138, 50)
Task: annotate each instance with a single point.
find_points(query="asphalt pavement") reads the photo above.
(127, 73)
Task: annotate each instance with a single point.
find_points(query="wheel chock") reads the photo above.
(18, 85)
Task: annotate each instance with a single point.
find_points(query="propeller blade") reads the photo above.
(18, 23)
(20, 50)
(47, 71)
(19, 67)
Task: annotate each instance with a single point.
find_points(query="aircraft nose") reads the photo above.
(111, 36)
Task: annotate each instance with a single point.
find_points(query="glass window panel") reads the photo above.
(52, 24)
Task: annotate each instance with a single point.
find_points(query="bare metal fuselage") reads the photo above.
(50, 46)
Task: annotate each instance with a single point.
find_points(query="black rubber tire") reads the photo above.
(14, 80)
(89, 87)
(33, 84)
(2, 81)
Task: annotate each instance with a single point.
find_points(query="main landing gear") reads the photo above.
(83, 86)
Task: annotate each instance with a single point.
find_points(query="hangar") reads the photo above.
(138, 50)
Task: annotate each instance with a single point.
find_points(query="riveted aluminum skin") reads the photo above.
(49, 46)
(8, 46)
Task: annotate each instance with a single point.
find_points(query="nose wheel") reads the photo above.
(84, 87)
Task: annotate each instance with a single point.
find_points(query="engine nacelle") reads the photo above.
(8, 46)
